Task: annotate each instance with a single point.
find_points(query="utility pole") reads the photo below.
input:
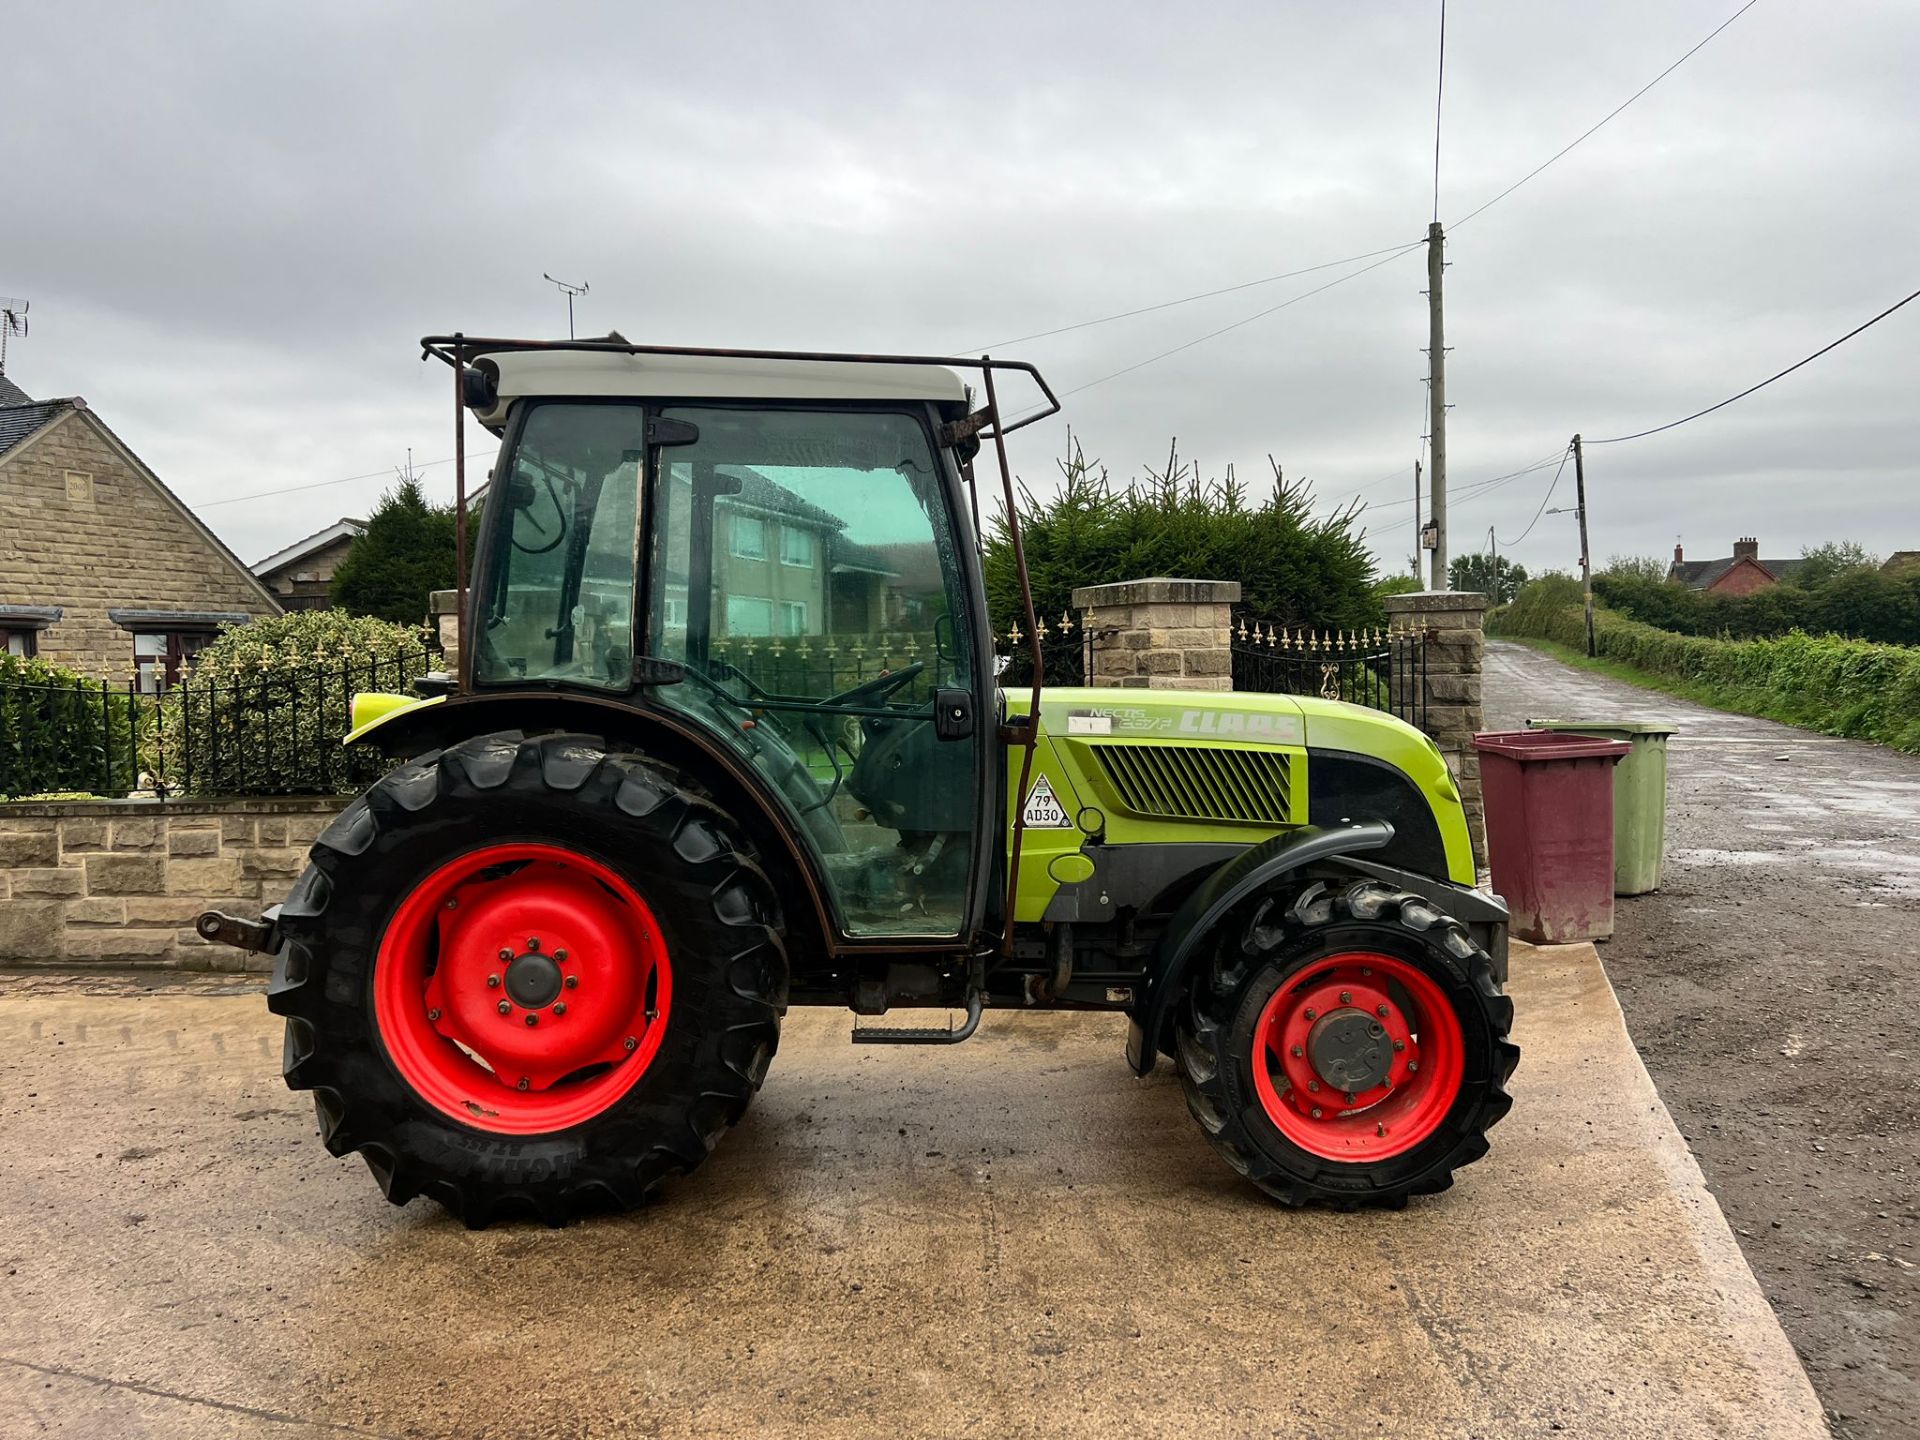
(1416, 520)
(1493, 549)
(1586, 556)
(1437, 400)
(570, 290)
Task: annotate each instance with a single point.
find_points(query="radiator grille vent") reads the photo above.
(1182, 782)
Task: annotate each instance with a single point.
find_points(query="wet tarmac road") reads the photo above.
(1010, 1238)
(1771, 987)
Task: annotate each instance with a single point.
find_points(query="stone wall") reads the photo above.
(89, 530)
(1160, 634)
(118, 882)
(1454, 623)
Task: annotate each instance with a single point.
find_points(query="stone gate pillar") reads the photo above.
(1454, 625)
(1160, 634)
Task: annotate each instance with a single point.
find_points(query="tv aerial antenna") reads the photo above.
(569, 290)
(13, 321)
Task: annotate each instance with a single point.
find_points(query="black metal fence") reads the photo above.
(818, 667)
(272, 729)
(1066, 652)
(1383, 669)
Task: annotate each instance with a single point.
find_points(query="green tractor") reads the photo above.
(727, 735)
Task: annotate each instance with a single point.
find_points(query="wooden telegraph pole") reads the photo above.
(1437, 402)
(1586, 556)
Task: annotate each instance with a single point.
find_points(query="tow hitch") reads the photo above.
(261, 936)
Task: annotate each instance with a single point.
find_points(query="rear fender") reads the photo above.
(432, 724)
(1216, 896)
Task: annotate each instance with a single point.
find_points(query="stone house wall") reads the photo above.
(118, 882)
(85, 526)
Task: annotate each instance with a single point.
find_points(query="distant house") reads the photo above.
(1741, 573)
(102, 568)
(301, 576)
(1902, 562)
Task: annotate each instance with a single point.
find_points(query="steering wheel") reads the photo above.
(879, 687)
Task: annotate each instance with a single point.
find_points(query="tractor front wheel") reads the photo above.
(1346, 1046)
(529, 974)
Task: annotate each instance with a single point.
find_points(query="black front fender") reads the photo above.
(1232, 883)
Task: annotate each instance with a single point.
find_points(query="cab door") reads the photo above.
(805, 566)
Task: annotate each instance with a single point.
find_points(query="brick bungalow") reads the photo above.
(1741, 573)
(102, 569)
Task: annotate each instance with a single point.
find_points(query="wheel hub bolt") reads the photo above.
(1346, 997)
(1314, 1085)
(1312, 1014)
(560, 1007)
(433, 1014)
(632, 1043)
(1316, 1112)
(533, 1019)
(560, 956)
(533, 943)
(525, 1084)
(1412, 1065)
(505, 954)
(1399, 1045)
(505, 1007)
(1381, 1011)
(493, 982)
(453, 904)
(573, 982)
(1297, 1052)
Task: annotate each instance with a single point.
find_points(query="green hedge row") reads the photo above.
(62, 733)
(1821, 682)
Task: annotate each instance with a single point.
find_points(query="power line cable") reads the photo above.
(1258, 315)
(1439, 93)
(1509, 544)
(315, 485)
(1479, 487)
(1184, 300)
(1642, 434)
(1605, 118)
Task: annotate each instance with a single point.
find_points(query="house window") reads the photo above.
(161, 657)
(796, 546)
(749, 537)
(793, 617)
(677, 612)
(24, 643)
(747, 615)
(20, 627)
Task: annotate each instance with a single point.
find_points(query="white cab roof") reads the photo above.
(603, 372)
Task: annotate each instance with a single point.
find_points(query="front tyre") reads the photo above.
(529, 975)
(1346, 1046)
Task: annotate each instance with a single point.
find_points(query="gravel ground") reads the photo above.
(1770, 987)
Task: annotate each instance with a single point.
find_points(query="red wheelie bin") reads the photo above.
(1549, 799)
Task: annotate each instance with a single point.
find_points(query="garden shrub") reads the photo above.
(62, 732)
(267, 704)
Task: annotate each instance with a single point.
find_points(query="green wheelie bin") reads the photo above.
(1639, 797)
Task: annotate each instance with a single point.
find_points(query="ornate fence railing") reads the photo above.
(273, 731)
(1066, 650)
(1377, 667)
(822, 665)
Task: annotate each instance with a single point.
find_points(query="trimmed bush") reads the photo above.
(268, 702)
(1855, 688)
(61, 732)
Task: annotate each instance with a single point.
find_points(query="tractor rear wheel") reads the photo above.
(1346, 1045)
(529, 975)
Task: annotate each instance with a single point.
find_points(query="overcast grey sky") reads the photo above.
(233, 222)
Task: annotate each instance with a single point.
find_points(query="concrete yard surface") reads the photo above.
(1008, 1238)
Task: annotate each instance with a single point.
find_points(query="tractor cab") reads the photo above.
(780, 553)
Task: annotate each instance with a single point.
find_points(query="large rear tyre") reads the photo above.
(1346, 1046)
(529, 976)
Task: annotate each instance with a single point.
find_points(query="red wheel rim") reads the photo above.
(1354, 1017)
(522, 988)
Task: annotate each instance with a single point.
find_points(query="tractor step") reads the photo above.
(922, 1035)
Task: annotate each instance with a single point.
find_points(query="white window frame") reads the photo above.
(737, 531)
(792, 616)
(805, 537)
